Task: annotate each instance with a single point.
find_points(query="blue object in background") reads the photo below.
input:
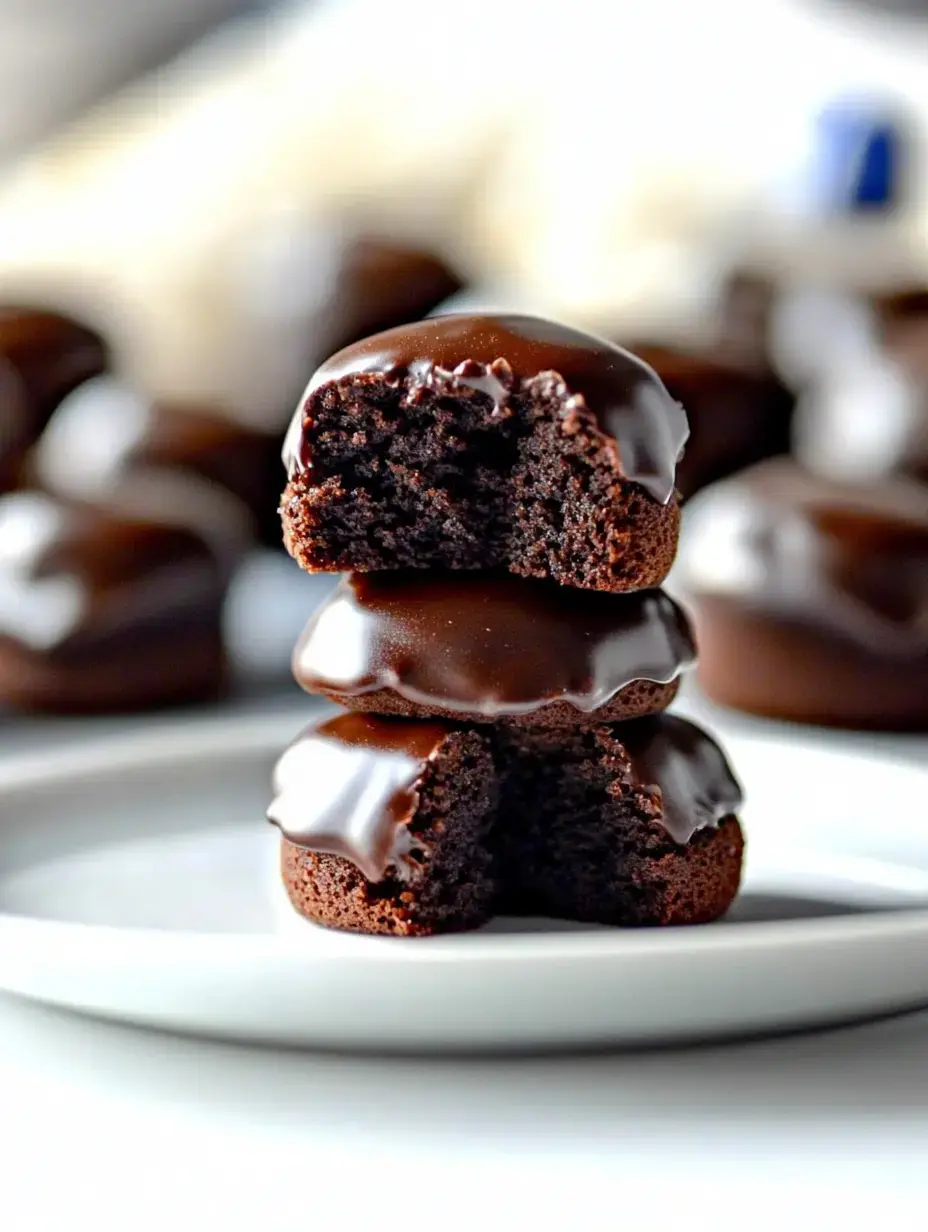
(857, 159)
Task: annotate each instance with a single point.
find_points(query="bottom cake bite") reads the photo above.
(413, 827)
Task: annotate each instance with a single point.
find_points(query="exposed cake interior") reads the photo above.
(396, 461)
(585, 834)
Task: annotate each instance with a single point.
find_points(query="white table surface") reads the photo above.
(109, 1127)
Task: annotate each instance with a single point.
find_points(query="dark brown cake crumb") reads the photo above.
(579, 840)
(447, 483)
(482, 443)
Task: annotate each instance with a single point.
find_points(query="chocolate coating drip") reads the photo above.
(75, 580)
(504, 355)
(686, 772)
(792, 546)
(489, 645)
(349, 787)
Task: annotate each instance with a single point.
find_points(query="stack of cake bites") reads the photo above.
(500, 494)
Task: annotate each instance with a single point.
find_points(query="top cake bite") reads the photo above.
(486, 442)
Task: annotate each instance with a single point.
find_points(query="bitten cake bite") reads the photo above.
(99, 612)
(386, 824)
(630, 824)
(486, 442)
(413, 827)
(482, 646)
(810, 597)
(43, 356)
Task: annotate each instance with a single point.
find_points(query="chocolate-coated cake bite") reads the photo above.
(631, 824)
(99, 612)
(480, 646)
(481, 442)
(738, 414)
(43, 356)
(106, 436)
(402, 826)
(386, 824)
(810, 597)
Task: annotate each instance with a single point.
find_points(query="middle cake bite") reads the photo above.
(492, 645)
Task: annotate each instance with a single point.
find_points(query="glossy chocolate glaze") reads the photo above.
(349, 787)
(180, 465)
(685, 771)
(788, 545)
(76, 581)
(488, 644)
(43, 356)
(503, 355)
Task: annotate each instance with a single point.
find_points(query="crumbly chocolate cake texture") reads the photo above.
(483, 443)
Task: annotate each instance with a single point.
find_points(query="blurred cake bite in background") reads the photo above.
(101, 612)
(43, 356)
(810, 597)
(309, 286)
(106, 440)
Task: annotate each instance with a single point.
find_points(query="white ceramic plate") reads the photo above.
(137, 882)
